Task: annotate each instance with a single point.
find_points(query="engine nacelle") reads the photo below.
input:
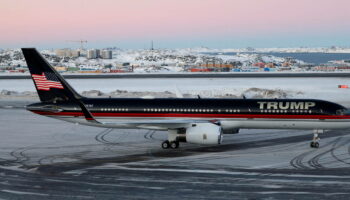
(204, 133)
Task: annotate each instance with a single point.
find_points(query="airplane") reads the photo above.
(192, 120)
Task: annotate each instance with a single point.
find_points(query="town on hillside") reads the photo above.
(115, 60)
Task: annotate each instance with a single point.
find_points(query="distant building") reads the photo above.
(61, 68)
(213, 65)
(259, 64)
(286, 64)
(75, 53)
(106, 54)
(67, 53)
(98, 53)
(61, 52)
(270, 65)
(91, 54)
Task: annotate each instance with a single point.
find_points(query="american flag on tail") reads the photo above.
(46, 81)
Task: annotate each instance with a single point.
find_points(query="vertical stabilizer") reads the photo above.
(50, 85)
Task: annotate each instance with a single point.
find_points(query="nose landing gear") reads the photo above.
(314, 144)
(315, 140)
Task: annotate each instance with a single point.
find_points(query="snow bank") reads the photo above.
(6, 95)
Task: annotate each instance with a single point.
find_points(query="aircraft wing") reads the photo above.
(156, 124)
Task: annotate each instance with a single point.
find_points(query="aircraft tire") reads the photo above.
(166, 144)
(174, 145)
(312, 144)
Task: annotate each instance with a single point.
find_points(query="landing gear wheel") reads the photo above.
(166, 144)
(174, 144)
(316, 138)
(314, 145)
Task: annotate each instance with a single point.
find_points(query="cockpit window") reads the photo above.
(340, 112)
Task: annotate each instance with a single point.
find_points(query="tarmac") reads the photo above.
(43, 158)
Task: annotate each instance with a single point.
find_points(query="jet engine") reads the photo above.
(204, 133)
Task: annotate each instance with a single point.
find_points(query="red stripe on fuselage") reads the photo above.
(195, 115)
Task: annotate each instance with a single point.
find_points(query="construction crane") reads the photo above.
(80, 41)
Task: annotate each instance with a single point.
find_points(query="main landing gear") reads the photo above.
(173, 141)
(173, 144)
(315, 140)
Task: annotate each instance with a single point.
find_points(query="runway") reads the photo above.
(43, 158)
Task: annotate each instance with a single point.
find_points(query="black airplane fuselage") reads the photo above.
(199, 107)
(119, 109)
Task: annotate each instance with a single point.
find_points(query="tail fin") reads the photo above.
(50, 85)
